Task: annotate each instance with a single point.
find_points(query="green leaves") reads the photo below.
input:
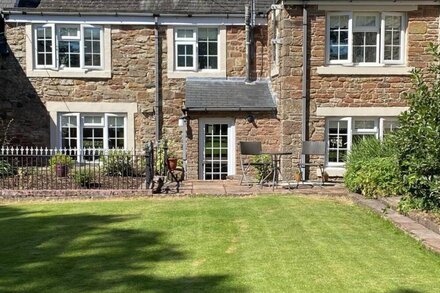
(418, 139)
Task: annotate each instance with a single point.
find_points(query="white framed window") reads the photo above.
(338, 140)
(196, 49)
(44, 36)
(343, 132)
(98, 131)
(68, 47)
(367, 38)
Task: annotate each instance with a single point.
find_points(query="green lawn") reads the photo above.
(258, 244)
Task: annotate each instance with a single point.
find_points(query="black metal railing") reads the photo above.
(32, 168)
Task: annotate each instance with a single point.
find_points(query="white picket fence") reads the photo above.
(44, 151)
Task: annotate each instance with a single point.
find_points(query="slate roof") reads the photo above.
(148, 6)
(219, 94)
(6, 3)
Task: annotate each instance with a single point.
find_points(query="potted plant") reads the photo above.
(61, 164)
(171, 155)
(325, 176)
(298, 175)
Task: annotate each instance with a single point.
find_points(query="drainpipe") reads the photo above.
(157, 106)
(304, 87)
(247, 20)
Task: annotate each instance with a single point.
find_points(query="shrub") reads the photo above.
(84, 177)
(117, 163)
(61, 159)
(418, 137)
(7, 169)
(264, 169)
(372, 168)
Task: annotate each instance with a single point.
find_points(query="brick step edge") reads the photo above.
(415, 216)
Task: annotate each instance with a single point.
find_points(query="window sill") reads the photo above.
(185, 74)
(364, 70)
(69, 74)
(333, 171)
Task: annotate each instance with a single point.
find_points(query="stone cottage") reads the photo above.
(117, 74)
(208, 74)
(340, 68)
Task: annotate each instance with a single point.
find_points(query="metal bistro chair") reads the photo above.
(248, 149)
(314, 148)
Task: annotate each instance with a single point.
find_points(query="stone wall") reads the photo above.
(133, 80)
(265, 129)
(340, 90)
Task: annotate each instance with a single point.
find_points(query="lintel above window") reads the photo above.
(68, 50)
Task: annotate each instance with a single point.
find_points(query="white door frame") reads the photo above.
(231, 142)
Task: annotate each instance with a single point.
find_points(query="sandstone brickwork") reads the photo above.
(339, 90)
(133, 80)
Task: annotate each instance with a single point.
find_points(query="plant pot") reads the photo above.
(298, 177)
(172, 164)
(325, 176)
(61, 170)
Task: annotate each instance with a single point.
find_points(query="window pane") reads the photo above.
(96, 47)
(185, 33)
(396, 53)
(203, 49)
(203, 34)
(213, 63)
(365, 20)
(74, 61)
(203, 62)
(364, 124)
(88, 60)
(370, 54)
(213, 48)
(93, 119)
(392, 22)
(213, 34)
(189, 61)
(69, 31)
(181, 61)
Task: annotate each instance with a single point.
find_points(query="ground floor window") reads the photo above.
(97, 131)
(343, 132)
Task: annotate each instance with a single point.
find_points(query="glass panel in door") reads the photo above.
(215, 152)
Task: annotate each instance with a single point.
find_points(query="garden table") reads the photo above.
(275, 166)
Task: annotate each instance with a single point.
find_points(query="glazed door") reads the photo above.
(217, 149)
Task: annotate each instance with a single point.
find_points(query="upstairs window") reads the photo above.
(196, 49)
(68, 47)
(365, 38)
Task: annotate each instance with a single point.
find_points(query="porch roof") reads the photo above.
(219, 94)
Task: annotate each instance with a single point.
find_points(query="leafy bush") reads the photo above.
(418, 140)
(7, 169)
(372, 168)
(263, 170)
(61, 159)
(84, 177)
(118, 163)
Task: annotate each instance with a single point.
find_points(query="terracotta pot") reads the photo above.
(298, 177)
(61, 170)
(172, 164)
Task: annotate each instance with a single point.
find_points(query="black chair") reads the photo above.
(247, 150)
(314, 148)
